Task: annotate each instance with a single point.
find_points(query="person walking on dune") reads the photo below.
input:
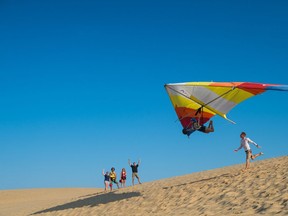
(134, 167)
(244, 143)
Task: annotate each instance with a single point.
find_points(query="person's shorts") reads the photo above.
(114, 181)
(248, 154)
(135, 175)
(202, 128)
(106, 182)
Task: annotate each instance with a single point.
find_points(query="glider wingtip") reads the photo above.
(229, 119)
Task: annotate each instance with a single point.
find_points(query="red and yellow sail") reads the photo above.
(213, 98)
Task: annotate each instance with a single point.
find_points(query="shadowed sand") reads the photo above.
(262, 190)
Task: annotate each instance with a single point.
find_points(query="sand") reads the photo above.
(225, 191)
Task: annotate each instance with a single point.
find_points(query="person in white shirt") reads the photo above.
(244, 143)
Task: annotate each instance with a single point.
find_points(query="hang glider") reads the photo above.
(212, 98)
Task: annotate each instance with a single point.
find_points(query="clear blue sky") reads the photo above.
(81, 86)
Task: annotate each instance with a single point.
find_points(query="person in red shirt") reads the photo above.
(123, 178)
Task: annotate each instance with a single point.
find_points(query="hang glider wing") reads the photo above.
(212, 98)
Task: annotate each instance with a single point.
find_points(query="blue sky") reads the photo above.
(81, 86)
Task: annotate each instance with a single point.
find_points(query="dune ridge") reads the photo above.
(262, 190)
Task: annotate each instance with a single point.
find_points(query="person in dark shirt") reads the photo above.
(134, 167)
(106, 179)
(195, 125)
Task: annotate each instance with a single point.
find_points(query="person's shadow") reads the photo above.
(100, 198)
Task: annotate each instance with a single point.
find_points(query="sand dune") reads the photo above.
(226, 191)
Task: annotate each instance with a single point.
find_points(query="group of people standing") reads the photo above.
(110, 178)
